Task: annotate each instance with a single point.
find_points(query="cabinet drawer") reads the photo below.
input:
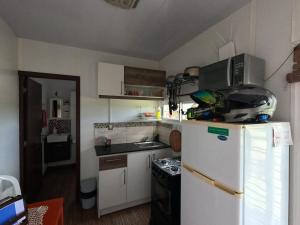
(113, 162)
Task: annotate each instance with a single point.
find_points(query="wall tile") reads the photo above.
(117, 135)
(164, 134)
(135, 134)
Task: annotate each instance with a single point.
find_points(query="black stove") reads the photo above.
(165, 192)
(171, 166)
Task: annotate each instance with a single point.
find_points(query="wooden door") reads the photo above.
(32, 151)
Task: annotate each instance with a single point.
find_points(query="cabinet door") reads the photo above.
(112, 187)
(161, 153)
(110, 79)
(139, 176)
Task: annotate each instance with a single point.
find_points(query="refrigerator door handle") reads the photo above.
(213, 182)
(199, 175)
(228, 190)
(229, 72)
(203, 178)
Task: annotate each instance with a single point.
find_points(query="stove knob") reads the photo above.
(174, 168)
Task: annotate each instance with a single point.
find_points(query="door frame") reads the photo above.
(23, 75)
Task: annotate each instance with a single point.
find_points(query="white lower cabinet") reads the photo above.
(112, 187)
(125, 180)
(139, 176)
(139, 173)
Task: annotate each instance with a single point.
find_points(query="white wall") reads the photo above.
(9, 112)
(62, 87)
(296, 21)
(203, 49)
(261, 28)
(51, 58)
(50, 87)
(273, 43)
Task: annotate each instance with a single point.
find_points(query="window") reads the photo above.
(177, 115)
(166, 114)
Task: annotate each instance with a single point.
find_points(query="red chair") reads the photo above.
(55, 212)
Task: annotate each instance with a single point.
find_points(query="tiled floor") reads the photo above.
(61, 183)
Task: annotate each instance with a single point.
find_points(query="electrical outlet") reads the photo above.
(110, 127)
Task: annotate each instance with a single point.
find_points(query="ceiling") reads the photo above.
(152, 30)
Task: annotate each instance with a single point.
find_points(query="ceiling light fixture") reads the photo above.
(125, 4)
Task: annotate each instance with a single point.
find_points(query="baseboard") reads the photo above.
(127, 205)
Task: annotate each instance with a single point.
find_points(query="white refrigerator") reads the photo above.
(235, 174)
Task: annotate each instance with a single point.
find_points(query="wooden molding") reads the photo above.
(132, 97)
(23, 75)
(112, 162)
(146, 77)
(295, 75)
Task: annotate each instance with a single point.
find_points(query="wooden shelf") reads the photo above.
(133, 97)
(143, 86)
(144, 91)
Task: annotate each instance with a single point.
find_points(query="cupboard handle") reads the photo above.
(113, 160)
(124, 176)
(121, 87)
(149, 161)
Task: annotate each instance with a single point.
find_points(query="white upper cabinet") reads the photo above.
(110, 79)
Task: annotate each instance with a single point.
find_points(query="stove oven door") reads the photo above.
(161, 208)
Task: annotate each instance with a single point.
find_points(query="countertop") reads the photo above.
(123, 148)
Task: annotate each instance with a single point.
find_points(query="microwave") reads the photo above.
(235, 71)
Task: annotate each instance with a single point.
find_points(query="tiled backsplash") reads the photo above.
(164, 130)
(125, 124)
(62, 126)
(125, 134)
(134, 131)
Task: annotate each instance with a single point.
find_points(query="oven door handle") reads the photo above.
(229, 72)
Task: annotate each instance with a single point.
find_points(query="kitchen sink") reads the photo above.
(149, 144)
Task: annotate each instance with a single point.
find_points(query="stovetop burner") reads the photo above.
(174, 168)
(170, 165)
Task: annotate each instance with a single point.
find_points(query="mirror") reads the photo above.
(56, 105)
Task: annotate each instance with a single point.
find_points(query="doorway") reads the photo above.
(49, 133)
